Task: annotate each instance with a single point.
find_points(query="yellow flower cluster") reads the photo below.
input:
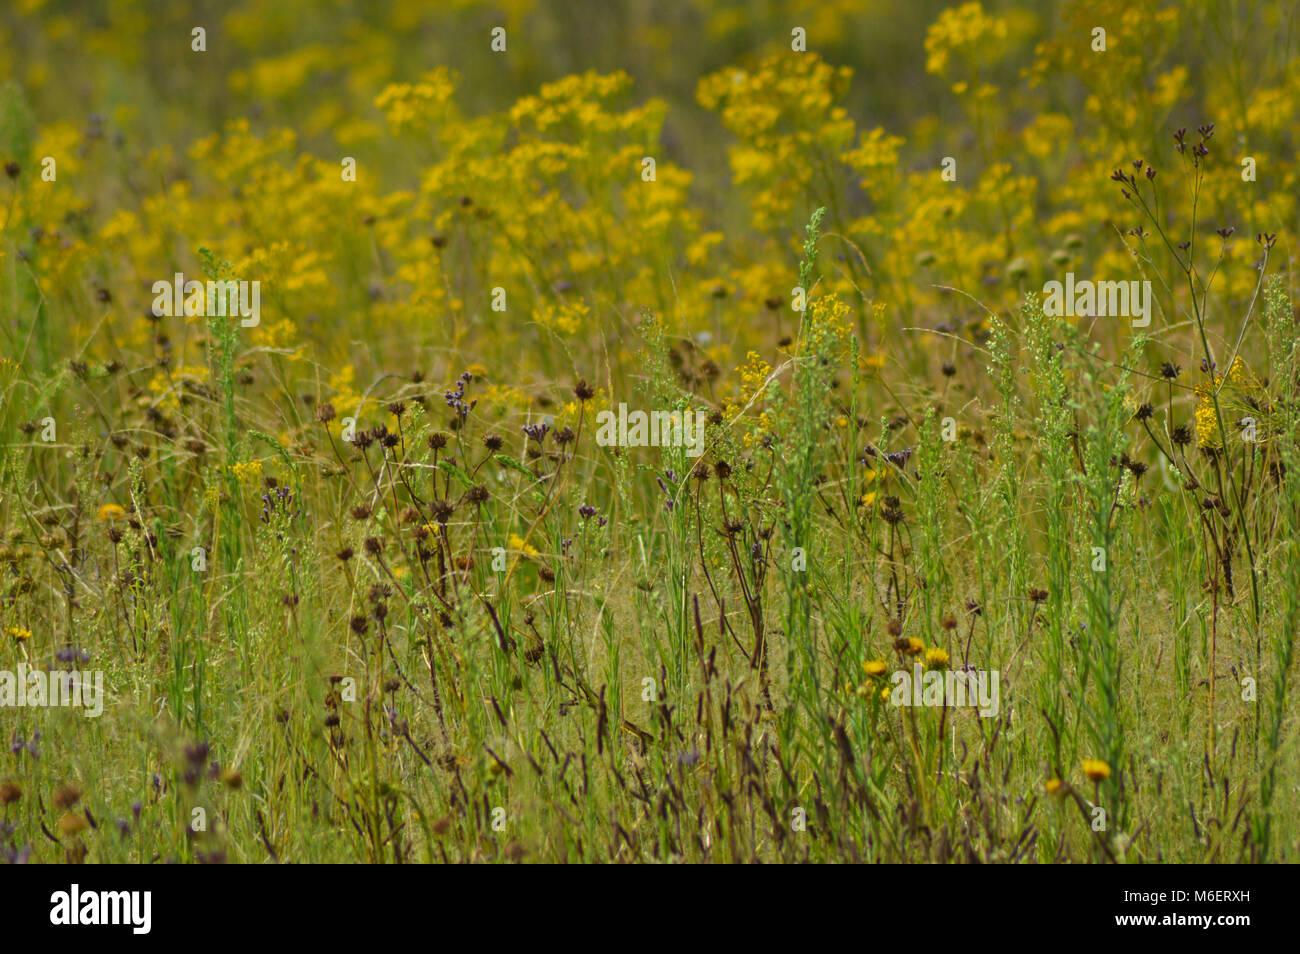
(247, 472)
(786, 115)
(520, 545)
(1097, 770)
(419, 105)
(565, 319)
(966, 31)
(1230, 388)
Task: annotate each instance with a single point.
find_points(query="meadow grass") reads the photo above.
(365, 587)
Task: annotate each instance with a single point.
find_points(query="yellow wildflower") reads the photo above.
(519, 543)
(1096, 770)
(247, 472)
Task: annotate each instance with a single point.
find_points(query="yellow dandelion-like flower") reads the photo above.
(21, 635)
(1053, 786)
(558, 320)
(519, 543)
(914, 646)
(874, 667)
(71, 825)
(936, 658)
(111, 512)
(1096, 770)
